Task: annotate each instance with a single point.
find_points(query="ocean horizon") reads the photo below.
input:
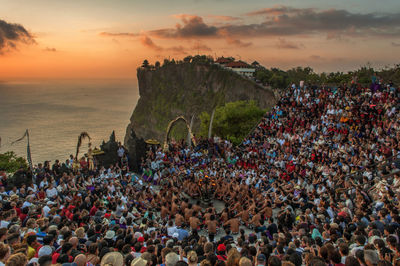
(56, 111)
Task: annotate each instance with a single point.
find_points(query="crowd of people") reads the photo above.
(316, 183)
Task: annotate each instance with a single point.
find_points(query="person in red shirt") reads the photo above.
(24, 214)
(94, 209)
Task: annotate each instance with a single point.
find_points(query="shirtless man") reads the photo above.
(194, 222)
(224, 216)
(244, 215)
(175, 207)
(179, 219)
(267, 209)
(207, 215)
(197, 208)
(164, 212)
(184, 204)
(255, 221)
(233, 224)
(211, 227)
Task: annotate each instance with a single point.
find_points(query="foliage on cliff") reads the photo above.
(233, 121)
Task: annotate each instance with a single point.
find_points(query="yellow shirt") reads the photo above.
(31, 252)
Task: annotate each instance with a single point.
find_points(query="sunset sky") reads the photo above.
(109, 39)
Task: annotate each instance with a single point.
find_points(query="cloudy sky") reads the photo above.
(109, 39)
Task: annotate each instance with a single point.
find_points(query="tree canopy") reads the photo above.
(145, 63)
(10, 162)
(277, 78)
(232, 121)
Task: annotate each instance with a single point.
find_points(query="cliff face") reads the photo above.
(187, 89)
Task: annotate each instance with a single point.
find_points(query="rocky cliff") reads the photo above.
(187, 89)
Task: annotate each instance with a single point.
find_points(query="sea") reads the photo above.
(56, 112)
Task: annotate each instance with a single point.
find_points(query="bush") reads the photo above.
(11, 163)
(233, 121)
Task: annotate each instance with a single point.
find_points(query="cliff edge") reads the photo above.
(187, 89)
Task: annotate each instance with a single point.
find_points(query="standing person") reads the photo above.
(211, 227)
(90, 158)
(120, 152)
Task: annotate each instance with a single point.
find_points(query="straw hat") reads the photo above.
(112, 259)
(110, 234)
(139, 262)
(14, 197)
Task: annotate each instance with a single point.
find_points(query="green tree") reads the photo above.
(263, 75)
(157, 64)
(166, 62)
(187, 59)
(145, 63)
(233, 121)
(11, 163)
(277, 80)
(295, 75)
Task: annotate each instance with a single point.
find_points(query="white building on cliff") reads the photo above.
(239, 67)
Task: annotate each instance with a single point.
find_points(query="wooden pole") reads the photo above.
(211, 121)
(189, 137)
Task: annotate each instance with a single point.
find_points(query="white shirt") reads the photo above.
(34, 189)
(4, 224)
(26, 204)
(43, 184)
(172, 230)
(51, 192)
(46, 210)
(121, 152)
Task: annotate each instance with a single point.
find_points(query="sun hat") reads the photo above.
(110, 234)
(53, 227)
(14, 197)
(112, 259)
(139, 262)
(146, 256)
(45, 250)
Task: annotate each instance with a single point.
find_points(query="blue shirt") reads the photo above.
(182, 234)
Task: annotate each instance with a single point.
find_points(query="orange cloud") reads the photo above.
(224, 18)
(119, 34)
(278, 10)
(201, 47)
(147, 42)
(284, 44)
(50, 49)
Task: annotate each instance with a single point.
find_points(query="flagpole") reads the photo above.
(28, 152)
(28, 148)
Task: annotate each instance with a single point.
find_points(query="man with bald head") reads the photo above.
(80, 260)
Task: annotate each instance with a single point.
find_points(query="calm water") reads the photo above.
(56, 112)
